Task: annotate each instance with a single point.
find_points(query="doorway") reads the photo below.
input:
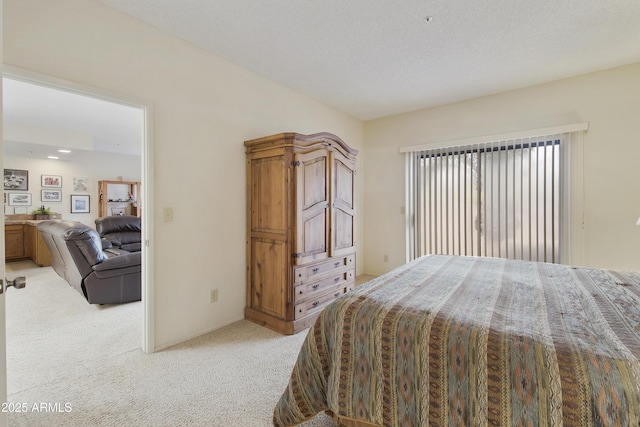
(25, 140)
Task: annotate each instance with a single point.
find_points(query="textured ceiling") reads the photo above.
(368, 58)
(373, 58)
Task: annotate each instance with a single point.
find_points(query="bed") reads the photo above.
(451, 340)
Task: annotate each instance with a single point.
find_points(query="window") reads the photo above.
(498, 199)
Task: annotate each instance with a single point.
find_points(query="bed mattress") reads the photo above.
(448, 340)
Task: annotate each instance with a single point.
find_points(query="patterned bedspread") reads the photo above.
(475, 341)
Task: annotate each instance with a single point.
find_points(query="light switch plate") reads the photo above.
(168, 214)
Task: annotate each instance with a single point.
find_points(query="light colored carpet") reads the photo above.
(68, 354)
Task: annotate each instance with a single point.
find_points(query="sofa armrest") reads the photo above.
(106, 244)
(118, 262)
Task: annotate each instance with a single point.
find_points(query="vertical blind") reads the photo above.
(497, 199)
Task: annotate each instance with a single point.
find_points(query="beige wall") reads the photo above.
(608, 100)
(204, 108)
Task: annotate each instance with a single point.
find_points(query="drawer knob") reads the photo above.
(337, 264)
(315, 270)
(337, 279)
(316, 286)
(315, 303)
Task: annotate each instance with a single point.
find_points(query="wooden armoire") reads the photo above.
(301, 227)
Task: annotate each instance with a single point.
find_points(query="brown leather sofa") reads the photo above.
(103, 275)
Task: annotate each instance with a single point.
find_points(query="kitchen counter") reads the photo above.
(27, 219)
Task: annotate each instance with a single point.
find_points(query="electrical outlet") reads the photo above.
(214, 295)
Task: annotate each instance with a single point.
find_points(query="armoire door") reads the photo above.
(268, 251)
(312, 206)
(343, 205)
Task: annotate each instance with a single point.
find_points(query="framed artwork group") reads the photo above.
(16, 186)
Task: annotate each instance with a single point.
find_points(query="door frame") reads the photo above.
(148, 334)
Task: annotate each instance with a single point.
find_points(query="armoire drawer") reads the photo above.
(312, 271)
(316, 304)
(336, 280)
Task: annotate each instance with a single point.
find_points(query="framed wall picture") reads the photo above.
(51, 195)
(52, 181)
(19, 199)
(80, 183)
(16, 179)
(79, 203)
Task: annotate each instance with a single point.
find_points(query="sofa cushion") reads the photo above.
(132, 247)
(118, 224)
(123, 231)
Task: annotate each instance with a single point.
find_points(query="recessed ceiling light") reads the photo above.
(428, 18)
(64, 151)
(53, 157)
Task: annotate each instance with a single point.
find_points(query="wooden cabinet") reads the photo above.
(119, 197)
(36, 247)
(23, 241)
(300, 227)
(14, 247)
